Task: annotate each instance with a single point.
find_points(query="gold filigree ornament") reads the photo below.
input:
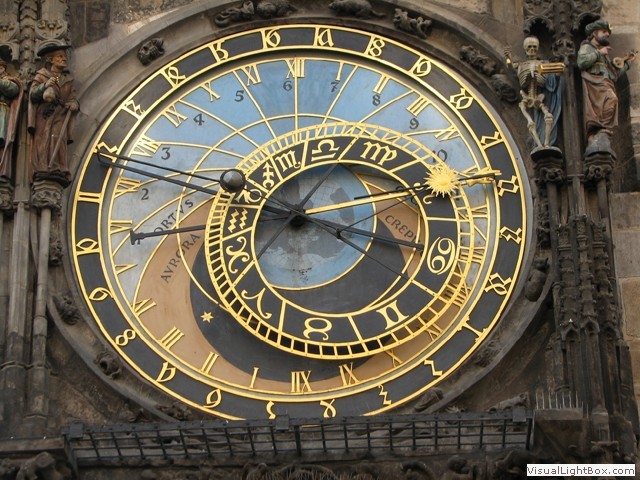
(443, 180)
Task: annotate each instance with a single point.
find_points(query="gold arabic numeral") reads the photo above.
(90, 197)
(296, 67)
(142, 306)
(379, 153)
(441, 255)
(508, 186)
(213, 96)
(145, 147)
(270, 38)
(209, 363)
(99, 294)
(321, 330)
(126, 185)
(498, 284)
(119, 226)
(421, 68)
(329, 410)
(214, 398)
(375, 47)
(347, 375)
(418, 105)
(133, 109)
(87, 246)
(300, 381)
(171, 338)
(385, 396)
(511, 235)
(476, 332)
(173, 76)
(252, 74)
(105, 149)
(323, 37)
(489, 141)
(167, 373)
(126, 336)
(431, 364)
(269, 408)
(462, 100)
(219, 53)
(171, 113)
(445, 134)
(392, 314)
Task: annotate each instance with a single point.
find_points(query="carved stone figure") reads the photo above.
(10, 98)
(431, 397)
(599, 74)
(482, 63)
(43, 467)
(109, 364)
(540, 92)
(418, 26)
(354, 8)
(235, 14)
(505, 89)
(67, 309)
(52, 110)
(274, 8)
(520, 400)
(536, 280)
(457, 469)
(177, 410)
(150, 50)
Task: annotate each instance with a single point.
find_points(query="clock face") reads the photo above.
(304, 220)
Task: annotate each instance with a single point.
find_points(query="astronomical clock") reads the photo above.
(300, 219)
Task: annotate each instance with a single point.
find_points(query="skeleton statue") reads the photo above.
(537, 90)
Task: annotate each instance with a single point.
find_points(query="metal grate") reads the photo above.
(436, 433)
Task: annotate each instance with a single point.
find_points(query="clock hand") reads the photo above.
(336, 234)
(378, 212)
(157, 176)
(296, 213)
(358, 231)
(444, 180)
(358, 201)
(231, 180)
(137, 236)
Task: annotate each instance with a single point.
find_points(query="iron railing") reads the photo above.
(432, 433)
